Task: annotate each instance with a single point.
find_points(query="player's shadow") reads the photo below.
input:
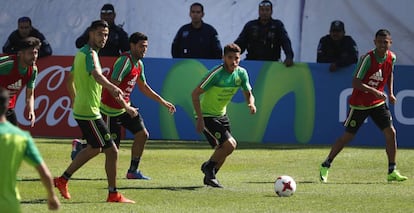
(38, 179)
(168, 188)
(273, 182)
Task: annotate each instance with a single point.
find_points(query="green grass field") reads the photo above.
(357, 181)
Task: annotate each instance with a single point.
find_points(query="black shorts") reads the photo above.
(96, 133)
(380, 115)
(11, 116)
(134, 125)
(217, 130)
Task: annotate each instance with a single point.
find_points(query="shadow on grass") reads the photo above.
(168, 188)
(272, 182)
(37, 179)
(35, 201)
(179, 144)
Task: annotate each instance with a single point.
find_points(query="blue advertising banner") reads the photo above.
(304, 104)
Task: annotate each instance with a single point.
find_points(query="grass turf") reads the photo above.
(357, 181)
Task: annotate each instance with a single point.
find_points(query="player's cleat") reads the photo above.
(117, 197)
(209, 173)
(137, 175)
(76, 148)
(323, 174)
(212, 182)
(205, 164)
(62, 185)
(396, 176)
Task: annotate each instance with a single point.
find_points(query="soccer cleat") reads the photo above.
(396, 176)
(137, 175)
(323, 174)
(62, 185)
(116, 197)
(76, 148)
(212, 182)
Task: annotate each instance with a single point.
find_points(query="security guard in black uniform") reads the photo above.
(263, 38)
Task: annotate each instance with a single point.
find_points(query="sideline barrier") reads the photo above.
(302, 104)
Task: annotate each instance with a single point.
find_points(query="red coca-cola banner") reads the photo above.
(52, 102)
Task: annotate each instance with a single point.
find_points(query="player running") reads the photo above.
(219, 86)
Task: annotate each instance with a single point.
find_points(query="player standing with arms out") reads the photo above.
(16, 146)
(17, 71)
(374, 71)
(85, 84)
(128, 70)
(218, 88)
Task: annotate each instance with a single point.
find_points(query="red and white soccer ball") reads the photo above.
(285, 186)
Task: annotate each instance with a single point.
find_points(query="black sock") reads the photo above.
(134, 164)
(112, 189)
(391, 167)
(327, 163)
(66, 175)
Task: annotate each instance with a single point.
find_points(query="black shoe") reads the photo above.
(212, 182)
(203, 168)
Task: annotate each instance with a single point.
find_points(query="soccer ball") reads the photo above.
(285, 186)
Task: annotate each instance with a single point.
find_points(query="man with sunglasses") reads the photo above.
(117, 40)
(264, 37)
(25, 30)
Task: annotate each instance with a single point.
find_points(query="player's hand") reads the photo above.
(133, 112)
(252, 108)
(53, 203)
(333, 67)
(392, 99)
(200, 125)
(32, 118)
(380, 95)
(117, 93)
(170, 106)
(288, 62)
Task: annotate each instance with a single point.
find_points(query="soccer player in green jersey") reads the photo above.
(16, 146)
(85, 87)
(218, 88)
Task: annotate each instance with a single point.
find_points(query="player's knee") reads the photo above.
(143, 134)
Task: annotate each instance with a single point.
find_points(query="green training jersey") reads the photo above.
(220, 86)
(8, 65)
(16, 146)
(88, 91)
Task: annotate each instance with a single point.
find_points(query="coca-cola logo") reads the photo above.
(52, 103)
(52, 111)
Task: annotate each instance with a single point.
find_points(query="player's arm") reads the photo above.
(390, 85)
(248, 95)
(129, 109)
(195, 95)
(70, 86)
(362, 68)
(150, 93)
(30, 105)
(102, 80)
(46, 178)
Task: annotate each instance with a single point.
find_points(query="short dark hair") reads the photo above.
(382, 32)
(29, 42)
(197, 4)
(24, 19)
(136, 37)
(98, 23)
(4, 100)
(232, 48)
(108, 8)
